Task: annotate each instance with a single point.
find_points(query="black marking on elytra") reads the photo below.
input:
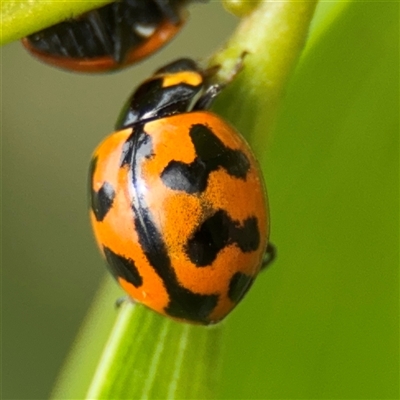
(125, 268)
(101, 201)
(215, 154)
(183, 303)
(191, 306)
(211, 154)
(247, 236)
(239, 285)
(191, 178)
(136, 141)
(219, 231)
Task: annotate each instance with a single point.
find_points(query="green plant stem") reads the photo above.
(272, 37)
(149, 356)
(23, 17)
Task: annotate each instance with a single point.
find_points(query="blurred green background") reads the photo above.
(323, 321)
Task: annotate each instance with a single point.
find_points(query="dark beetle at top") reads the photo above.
(111, 37)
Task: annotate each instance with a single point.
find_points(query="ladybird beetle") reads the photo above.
(110, 37)
(178, 205)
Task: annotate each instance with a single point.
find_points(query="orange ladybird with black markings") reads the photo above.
(110, 37)
(178, 204)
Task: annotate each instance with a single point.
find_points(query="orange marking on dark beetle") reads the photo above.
(186, 77)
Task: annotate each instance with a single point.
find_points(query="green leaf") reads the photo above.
(272, 39)
(80, 366)
(149, 356)
(324, 319)
(23, 17)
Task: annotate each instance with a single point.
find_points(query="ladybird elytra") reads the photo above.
(115, 237)
(178, 204)
(225, 201)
